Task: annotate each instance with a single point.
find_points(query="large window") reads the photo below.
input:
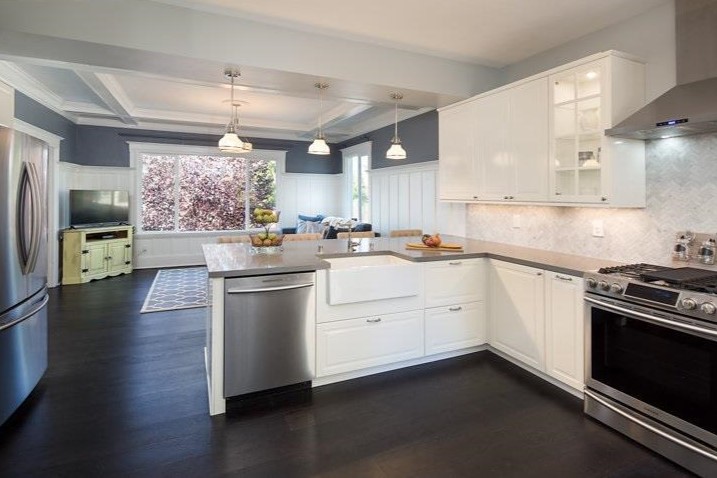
(357, 165)
(194, 192)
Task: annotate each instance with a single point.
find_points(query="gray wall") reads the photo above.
(32, 112)
(102, 146)
(650, 36)
(419, 137)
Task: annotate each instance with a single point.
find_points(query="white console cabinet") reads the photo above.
(95, 253)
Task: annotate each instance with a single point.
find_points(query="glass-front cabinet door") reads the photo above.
(577, 126)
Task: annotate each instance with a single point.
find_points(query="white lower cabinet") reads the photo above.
(564, 329)
(517, 312)
(536, 317)
(348, 345)
(455, 327)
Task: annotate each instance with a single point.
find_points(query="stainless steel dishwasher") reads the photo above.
(269, 332)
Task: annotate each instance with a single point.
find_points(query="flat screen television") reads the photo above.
(94, 207)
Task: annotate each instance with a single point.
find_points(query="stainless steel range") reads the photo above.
(651, 364)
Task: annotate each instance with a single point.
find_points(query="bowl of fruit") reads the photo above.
(266, 241)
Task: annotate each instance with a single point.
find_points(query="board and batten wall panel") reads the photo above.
(308, 194)
(296, 194)
(404, 197)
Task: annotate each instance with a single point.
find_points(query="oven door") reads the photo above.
(661, 365)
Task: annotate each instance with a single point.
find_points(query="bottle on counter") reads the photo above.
(706, 252)
(681, 250)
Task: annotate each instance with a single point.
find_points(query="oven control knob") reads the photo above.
(689, 304)
(616, 288)
(604, 285)
(708, 308)
(592, 283)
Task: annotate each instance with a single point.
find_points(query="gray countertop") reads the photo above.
(237, 260)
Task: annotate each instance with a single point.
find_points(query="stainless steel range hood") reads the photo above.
(691, 106)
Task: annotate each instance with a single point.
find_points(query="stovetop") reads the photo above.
(683, 278)
(686, 290)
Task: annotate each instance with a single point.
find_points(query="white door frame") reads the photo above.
(53, 203)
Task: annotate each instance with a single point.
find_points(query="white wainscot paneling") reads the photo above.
(308, 194)
(75, 176)
(404, 197)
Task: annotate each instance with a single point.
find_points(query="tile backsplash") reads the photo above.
(681, 194)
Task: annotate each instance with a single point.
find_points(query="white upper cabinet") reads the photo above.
(7, 105)
(541, 140)
(513, 143)
(457, 178)
(586, 166)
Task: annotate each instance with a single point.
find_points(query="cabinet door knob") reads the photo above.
(538, 273)
(455, 309)
(374, 321)
(603, 198)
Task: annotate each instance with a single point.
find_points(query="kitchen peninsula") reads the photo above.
(507, 298)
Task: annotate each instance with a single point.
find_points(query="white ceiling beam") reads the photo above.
(20, 80)
(99, 86)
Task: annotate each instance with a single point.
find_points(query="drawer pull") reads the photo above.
(457, 263)
(374, 321)
(565, 278)
(455, 309)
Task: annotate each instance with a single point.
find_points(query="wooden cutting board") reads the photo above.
(444, 247)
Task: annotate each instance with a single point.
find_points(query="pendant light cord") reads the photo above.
(395, 123)
(321, 109)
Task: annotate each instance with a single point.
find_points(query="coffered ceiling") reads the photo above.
(159, 64)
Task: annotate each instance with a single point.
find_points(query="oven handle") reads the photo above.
(650, 427)
(650, 318)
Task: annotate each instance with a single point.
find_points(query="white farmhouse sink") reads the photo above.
(368, 278)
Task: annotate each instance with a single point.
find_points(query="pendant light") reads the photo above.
(396, 151)
(230, 142)
(319, 145)
(246, 145)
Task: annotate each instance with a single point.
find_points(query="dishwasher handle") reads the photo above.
(270, 289)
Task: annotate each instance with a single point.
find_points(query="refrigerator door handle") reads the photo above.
(37, 217)
(24, 191)
(43, 302)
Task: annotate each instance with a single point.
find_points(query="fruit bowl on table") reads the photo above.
(263, 239)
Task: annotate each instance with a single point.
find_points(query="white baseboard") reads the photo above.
(319, 381)
(181, 260)
(543, 375)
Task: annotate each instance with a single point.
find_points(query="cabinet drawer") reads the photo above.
(455, 327)
(354, 344)
(454, 282)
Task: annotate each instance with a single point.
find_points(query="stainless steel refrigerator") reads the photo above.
(23, 267)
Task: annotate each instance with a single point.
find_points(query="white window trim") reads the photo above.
(361, 149)
(137, 149)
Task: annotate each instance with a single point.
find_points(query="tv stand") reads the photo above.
(95, 253)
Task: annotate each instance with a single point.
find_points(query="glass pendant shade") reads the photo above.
(396, 151)
(230, 142)
(319, 146)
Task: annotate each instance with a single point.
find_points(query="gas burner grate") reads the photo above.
(707, 285)
(632, 270)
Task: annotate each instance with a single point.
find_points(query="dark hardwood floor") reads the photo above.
(125, 395)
